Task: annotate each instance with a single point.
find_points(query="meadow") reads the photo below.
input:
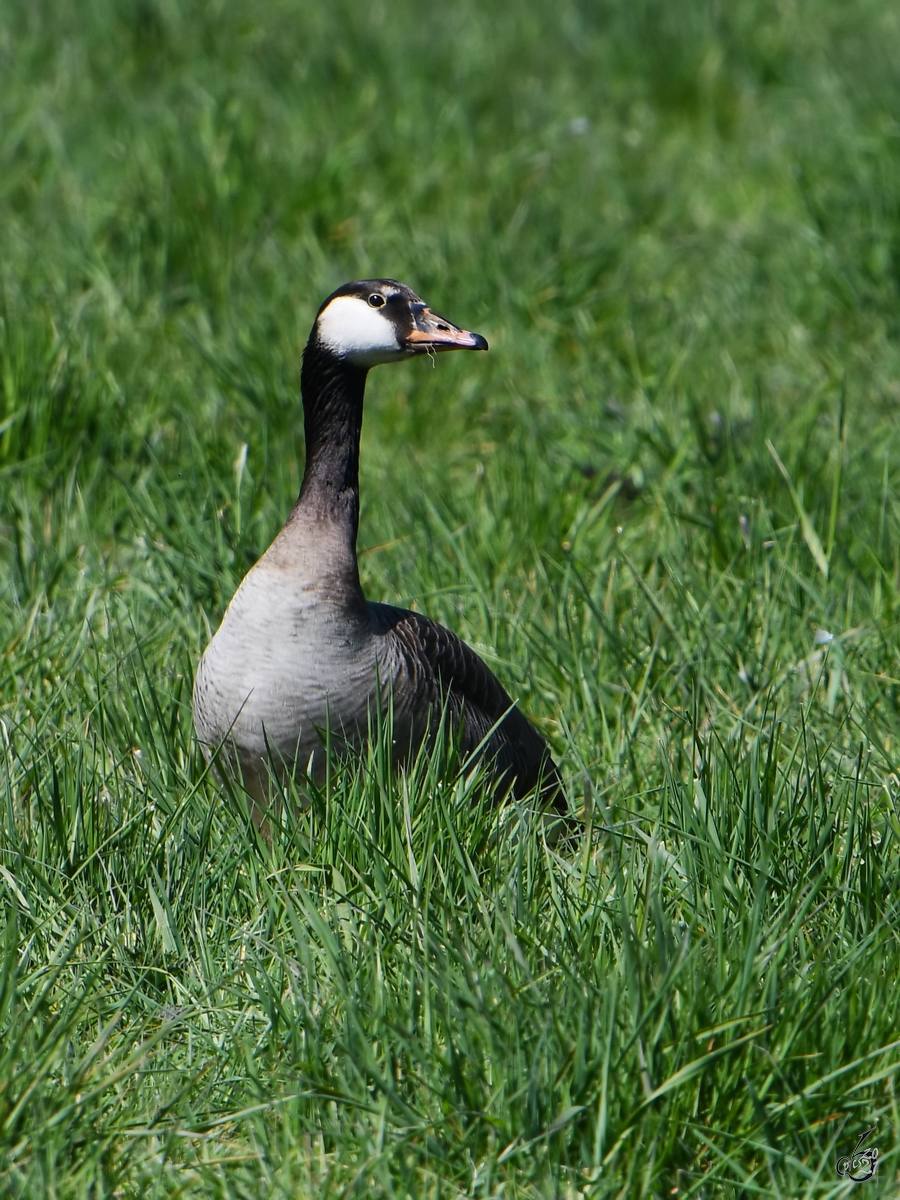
(664, 508)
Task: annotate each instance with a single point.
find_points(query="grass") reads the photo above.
(664, 508)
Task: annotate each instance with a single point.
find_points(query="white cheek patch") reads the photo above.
(353, 329)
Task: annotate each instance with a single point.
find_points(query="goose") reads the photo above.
(300, 650)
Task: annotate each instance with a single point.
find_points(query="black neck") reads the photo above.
(332, 392)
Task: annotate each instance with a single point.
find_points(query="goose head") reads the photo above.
(376, 321)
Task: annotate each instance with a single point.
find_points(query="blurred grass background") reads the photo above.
(663, 507)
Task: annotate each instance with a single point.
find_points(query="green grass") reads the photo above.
(679, 227)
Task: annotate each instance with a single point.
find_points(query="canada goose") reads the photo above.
(300, 649)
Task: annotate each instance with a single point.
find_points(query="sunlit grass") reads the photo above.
(663, 508)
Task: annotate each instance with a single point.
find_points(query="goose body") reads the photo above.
(300, 650)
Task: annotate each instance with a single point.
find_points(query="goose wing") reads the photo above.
(439, 668)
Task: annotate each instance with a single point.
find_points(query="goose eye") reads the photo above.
(376, 300)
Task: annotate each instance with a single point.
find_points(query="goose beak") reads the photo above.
(431, 333)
